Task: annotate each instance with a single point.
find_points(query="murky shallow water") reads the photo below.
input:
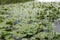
(57, 24)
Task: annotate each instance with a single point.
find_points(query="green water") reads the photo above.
(13, 1)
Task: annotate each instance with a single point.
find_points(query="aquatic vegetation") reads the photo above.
(30, 20)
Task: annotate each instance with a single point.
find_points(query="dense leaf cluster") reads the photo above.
(30, 21)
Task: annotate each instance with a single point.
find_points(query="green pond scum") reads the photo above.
(29, 21)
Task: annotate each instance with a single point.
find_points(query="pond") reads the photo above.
(57, 24)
